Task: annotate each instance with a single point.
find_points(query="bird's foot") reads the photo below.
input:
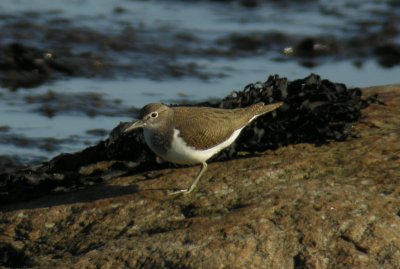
(183, 191)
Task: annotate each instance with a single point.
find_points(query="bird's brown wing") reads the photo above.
(203, 128)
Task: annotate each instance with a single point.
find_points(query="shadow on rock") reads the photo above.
(86, 195)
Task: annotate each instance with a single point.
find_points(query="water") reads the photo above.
(205, 20)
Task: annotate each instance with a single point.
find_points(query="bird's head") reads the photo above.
(150, 116)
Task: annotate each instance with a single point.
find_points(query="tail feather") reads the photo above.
(262, 109)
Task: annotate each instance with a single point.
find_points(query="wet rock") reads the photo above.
(388, 55)
(333, 205)
(250, 3)
(48, 144)
(4, 128)
(257, 42)
(311, 47)
(10, 164)
(310, 51)
(97, 132)
(85, 52)
(51, 104)
(24, 66)
(246, 42)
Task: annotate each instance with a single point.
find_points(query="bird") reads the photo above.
(192, 135)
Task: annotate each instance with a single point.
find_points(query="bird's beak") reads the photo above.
(137, 124)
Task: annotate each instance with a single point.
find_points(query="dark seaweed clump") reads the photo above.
(315, 111)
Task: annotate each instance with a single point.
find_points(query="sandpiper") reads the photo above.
(192, 135)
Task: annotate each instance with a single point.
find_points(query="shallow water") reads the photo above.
(208, 21)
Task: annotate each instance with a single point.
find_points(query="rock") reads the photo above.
(333, 205)
(388, 55)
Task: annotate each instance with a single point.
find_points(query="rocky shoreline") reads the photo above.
(303, 205)
(315, 111)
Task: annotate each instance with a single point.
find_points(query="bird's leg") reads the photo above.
(191, 188)
(202, 170)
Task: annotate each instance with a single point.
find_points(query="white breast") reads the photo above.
(181, 153)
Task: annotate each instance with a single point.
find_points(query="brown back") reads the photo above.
(204, 127)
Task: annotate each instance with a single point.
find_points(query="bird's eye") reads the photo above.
(154, 115)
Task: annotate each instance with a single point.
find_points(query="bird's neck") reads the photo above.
(159, 137)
